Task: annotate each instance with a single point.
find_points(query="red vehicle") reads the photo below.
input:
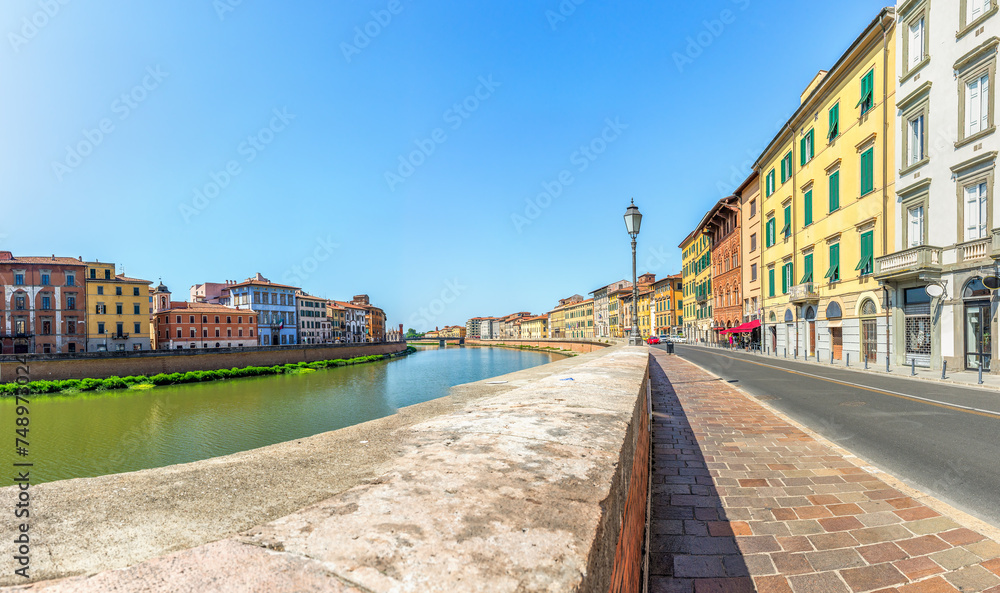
(653, 340)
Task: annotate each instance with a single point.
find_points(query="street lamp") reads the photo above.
(632, 221)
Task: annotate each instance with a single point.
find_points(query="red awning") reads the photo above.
(744, 328)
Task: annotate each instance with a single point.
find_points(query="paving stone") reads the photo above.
(972, 578)
(916, 513)
(791, 563)
(873, 535)
(993, 566)
(955, 558)
(818, 583)
(934, 585)
(884, 552)
(772, 584)
(961, 536)
(727, 585)
(918, 568)
(920, 546)
(795, 543)
(829, 560)
(987, 549)
(872, 577)
(936, 525)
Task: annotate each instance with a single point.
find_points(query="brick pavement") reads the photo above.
(742, 500)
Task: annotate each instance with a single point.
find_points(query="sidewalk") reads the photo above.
(958, 377)
(742, 500)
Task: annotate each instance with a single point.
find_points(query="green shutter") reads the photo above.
(812, 143)
(834, 272)
(834, 129)
(783, 171)
(802, 151)
(868, 171)
(786, 230)
(770, 281)
(867, 89)
(808, 208)
(834, 190)
(784, 279)
(865, 263)
(808, 265)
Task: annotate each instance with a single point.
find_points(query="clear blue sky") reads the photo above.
(502, 95)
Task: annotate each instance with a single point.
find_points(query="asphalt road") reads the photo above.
(948, 447)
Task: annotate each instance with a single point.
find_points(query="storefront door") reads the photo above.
(978, 339)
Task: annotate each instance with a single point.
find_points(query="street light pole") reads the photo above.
(633, 220)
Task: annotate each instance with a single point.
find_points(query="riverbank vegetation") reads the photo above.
(149, 382)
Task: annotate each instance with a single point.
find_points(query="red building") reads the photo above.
(44, 305)
(727, 278)
(178, 325)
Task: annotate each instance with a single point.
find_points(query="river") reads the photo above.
(93, 434)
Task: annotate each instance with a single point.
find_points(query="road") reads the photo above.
(919, 432)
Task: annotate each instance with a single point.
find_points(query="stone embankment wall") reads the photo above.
(581, 346)
(534, 481)
(90, 365)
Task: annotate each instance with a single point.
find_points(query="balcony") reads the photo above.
(803, 293)
(908, 264)
(978, 249)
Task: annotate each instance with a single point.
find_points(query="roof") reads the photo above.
(56, 261)
(344, 305)
(123, 278)
(578, 303)
(176, 306)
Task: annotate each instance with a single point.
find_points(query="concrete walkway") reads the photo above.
(956, 376)
(745, 500)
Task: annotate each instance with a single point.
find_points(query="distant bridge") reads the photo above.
(440, 341)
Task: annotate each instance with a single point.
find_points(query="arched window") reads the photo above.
(975, 289)
(788, 316)
(868, 308)
(833, 311)
(772, 317)
(810, 314)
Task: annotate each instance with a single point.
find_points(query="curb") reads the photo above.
(961, 517)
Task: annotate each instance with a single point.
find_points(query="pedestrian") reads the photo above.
(730, 341)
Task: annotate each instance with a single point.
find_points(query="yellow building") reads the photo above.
(580, 319)
(645, 312)
(452, 331)
(827, 193)
(667, 300)
(119, 314)
(535, 328)
(696, 255)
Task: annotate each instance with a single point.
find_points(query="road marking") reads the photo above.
(915, 398)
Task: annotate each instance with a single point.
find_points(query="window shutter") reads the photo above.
(971, 213)
(974, 108)
(834, 190)
(916, 42)
(982, 210)
(984, 93)
(808, 207)
(802, 151)
(812, 144)
(784, 279)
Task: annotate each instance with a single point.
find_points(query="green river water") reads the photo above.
(94, 434)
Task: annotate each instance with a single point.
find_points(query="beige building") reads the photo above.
(752, 229)
(535, 328)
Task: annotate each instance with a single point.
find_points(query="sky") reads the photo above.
(450, 160)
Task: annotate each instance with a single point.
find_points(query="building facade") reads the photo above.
(535, 328)
(828, 192)
(44, 307)
(696, 255)
(314, 324)
(274, 305)
(119, 315)
(667, 303)
(727, 277)
(751, 231)
(944, 163)
(183, 325)
(602, 302)
(579, 319)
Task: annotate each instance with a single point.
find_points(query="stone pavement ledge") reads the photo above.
(743, 500)
(516, 489)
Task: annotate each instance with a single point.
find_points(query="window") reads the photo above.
(136, 328)
(807, 207)
(865, 264)
(107, 274)
(118, 308)
(46, 303)
(977, 105)
(807, 263)
(178, 319)
(178, 333)
(915, 43)
(71, 303)
(100, 309)
(135, 309)
(70, 280)
(45, 279)
(71, 326)
(19, 279)
(192, 332)
(100, 327)
(976, 9)
(868, 171)
(834, 190)
(786, 230)
(93, 274)
(786, 167)
(118, 291)
(753, 208)
(786, 277)
(867, 92)
(216, 318)
(915, 148)
(204, 318)
(915, 226)
(807, 148)
(190, 318)
(120, 330)
(135, 291)
(753, 242)
(834, 123)
(976, 207)
(100, 290)
(753, 272)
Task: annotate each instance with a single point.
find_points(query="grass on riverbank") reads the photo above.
(149, 382)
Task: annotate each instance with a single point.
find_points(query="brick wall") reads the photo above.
(576, 346)
(181, 361)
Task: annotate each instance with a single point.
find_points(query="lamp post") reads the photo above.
(632, 221)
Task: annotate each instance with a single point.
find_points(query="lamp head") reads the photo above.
(633, 219)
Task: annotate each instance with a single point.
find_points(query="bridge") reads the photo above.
(441, 341)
